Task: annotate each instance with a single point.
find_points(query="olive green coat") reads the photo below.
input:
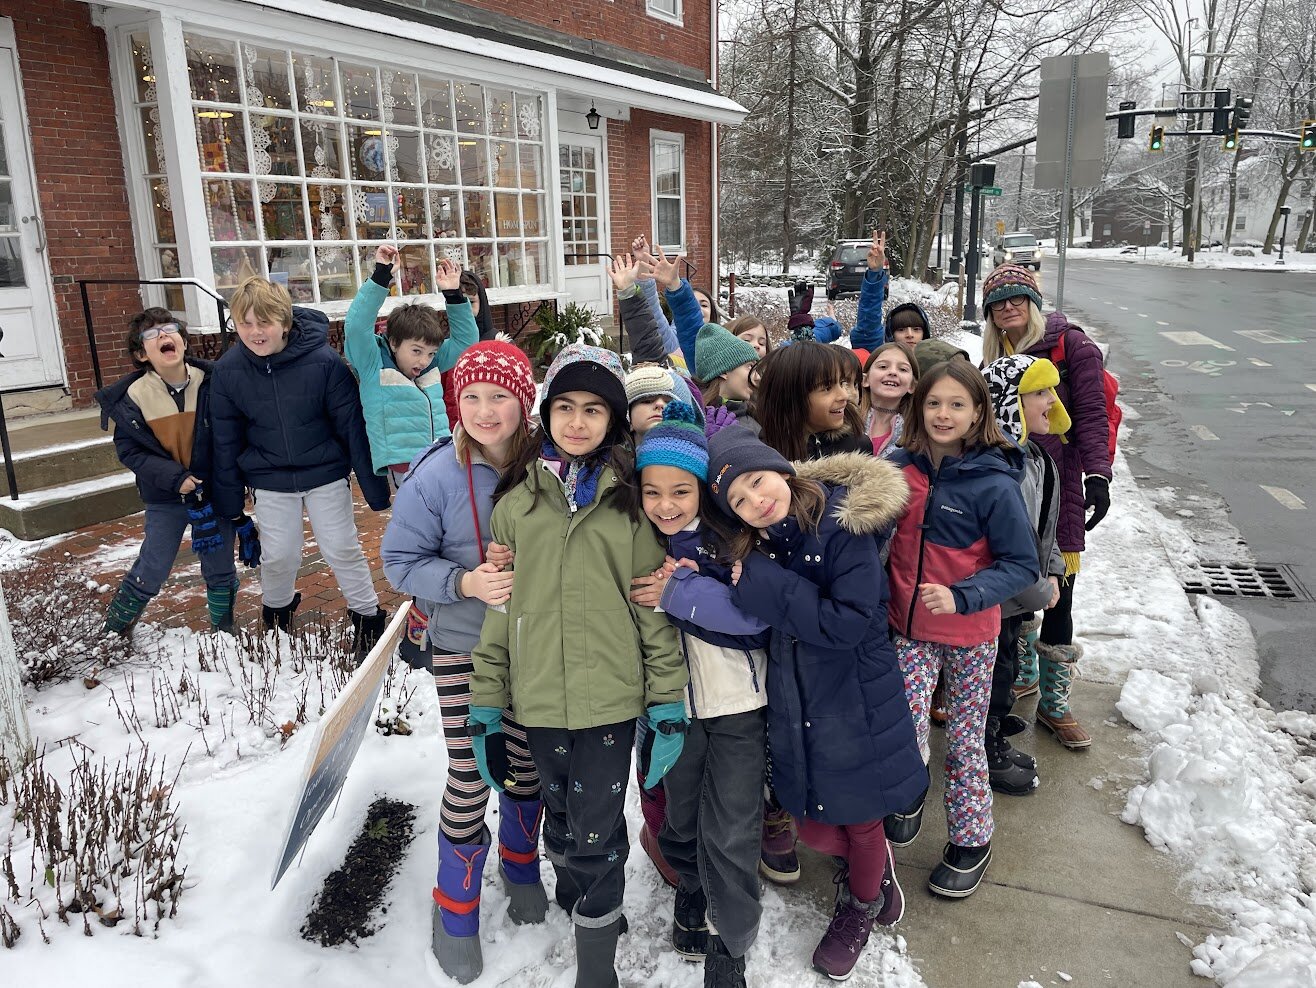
(570, 650)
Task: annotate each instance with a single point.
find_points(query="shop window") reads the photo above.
(667, 166)
(156, 185)
(668, 10)
(310, 162)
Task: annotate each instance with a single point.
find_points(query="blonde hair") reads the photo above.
(993, 339)
(264, 299)
(866, 396)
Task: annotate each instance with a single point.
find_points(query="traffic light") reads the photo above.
(1242, 111)
(1157, 142)
(1220, 118)
(1231, 140)
(1307, 142)
(1124, 127)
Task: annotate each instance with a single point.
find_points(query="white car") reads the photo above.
(1019, 248)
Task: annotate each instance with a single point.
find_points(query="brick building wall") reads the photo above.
(79, 179)
(620, 22)
(630, 186)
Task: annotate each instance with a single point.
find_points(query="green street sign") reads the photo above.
(992, 190)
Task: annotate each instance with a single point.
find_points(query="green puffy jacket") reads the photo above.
(570, 650)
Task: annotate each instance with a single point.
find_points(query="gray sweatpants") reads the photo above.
(279, 519)
(713, 832)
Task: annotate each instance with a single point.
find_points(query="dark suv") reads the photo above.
(845, 271)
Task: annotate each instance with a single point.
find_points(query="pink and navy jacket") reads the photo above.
(965, 527)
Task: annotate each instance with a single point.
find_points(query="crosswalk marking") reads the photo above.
(1285, 497)
(1142, 315)
(1266, 336)
(1193, 338)
(1259, 362)
(1161, 322)
(1204, 433)
(1124, 308)
(1310, 387)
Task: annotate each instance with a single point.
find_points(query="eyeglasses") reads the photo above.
(1014, 301)
(170, 327)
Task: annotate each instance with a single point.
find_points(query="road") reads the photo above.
(1219, 369)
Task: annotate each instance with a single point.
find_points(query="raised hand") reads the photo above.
(877, 252)
(668, 272)
(623, 272)
(448, 275)
(386, 254)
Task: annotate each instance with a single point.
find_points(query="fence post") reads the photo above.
(731, 295)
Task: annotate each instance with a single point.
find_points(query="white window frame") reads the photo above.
(678, 17)
(657, 137)
(189, 208)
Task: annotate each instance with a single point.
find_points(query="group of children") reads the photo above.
(740, 569)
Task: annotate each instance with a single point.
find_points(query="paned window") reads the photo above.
(578, 168)
(668, 10)
(667, 164)
(309, 162)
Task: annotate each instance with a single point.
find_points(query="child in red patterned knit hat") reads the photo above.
(437, 546)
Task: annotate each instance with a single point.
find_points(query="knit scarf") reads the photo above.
(580, 476)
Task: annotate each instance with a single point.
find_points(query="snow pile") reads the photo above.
(1231, 786)
(1216, 259)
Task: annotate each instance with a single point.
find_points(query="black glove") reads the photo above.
(1096, 491)
(248, 541)
(205, 527)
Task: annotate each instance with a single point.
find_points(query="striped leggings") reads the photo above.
(465, 797)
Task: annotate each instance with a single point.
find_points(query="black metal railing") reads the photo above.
(221, 306)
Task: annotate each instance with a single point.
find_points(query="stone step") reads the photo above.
(53, 510)
(61, 463)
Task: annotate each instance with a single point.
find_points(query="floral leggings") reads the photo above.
(968, 679)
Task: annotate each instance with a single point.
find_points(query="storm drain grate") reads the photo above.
(1260, 580)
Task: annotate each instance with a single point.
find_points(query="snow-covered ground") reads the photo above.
(1230, 792)
(1214, 258)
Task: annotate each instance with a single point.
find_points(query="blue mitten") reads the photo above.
(663, 744)
(489, 745)
(248, 541)
(205, 527)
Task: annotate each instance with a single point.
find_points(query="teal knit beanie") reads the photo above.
(717, 352)
(677, 441)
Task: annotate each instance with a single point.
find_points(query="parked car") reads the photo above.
(1018, 248)
(845, 271)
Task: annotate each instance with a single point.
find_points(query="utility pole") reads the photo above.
(1019, 195)
(961, 176)
(15, 734)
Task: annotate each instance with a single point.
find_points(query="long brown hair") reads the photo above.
(787, 378)
(615, 453)
(865, 395)
(743, 324)
(808, 502)
(464, 444)
(985, 432)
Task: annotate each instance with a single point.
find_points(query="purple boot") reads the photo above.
(455, 939)
(846, 936)
(518, 848)
(778, 861)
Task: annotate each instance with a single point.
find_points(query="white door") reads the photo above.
(29, 342)
(582, 180)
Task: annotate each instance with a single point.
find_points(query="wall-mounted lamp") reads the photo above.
(592, 118)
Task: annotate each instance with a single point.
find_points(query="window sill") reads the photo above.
(677, 20)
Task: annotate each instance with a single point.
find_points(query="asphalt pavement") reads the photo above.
(1219, 373)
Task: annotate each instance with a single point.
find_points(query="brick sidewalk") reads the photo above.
(108, 549)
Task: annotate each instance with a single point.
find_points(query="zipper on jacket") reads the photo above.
(922, 542)
(753, 673)
(690, 677)
(283, 426)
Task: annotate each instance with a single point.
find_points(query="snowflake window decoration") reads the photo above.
(528, 116)
(441, 154)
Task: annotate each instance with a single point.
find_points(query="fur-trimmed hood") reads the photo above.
(876, 492)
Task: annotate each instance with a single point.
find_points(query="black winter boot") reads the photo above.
(721, 970)
(689, 925)
(280, 617)
(366, 629)
(960, 871)
(1005, 773)
(901, 828)
(596, 954)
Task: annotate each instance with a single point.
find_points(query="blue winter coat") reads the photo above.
(402, 416)
(913, 306)
(842, 739)
(702, 603)
(688, 319)
(867, 332)
(158, 474)
(432, 540)
(290, 422)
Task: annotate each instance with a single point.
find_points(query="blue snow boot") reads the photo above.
(455, 940)
(518, 849)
